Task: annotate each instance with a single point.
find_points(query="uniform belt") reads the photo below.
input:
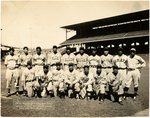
(12, 68)
(93, 66)
(38, 64)
(122, 68)
(131, 69)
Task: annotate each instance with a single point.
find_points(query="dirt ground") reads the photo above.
(55, 107)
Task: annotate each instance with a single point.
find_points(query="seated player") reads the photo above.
(58, 81)
(44, 79)
(31, 84)
(115, 86)
(86, 81)
(72, 81)
(100, 83)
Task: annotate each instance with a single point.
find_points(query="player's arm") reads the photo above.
(142, 63)
(6, 61)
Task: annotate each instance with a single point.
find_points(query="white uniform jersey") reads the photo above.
(11, 61)
(66, 59)
(82, 60)
(39, 59)
(24, 59)
(135, 62)
(120, 61)
(100, 78)
(71, 77)
(53, 58)
(94, 60)
(58, 75)
(86, 79)
(106, 61)
(47, 76)
(28, 74)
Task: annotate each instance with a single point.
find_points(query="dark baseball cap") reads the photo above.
(115, 67)
(70, 64)
(81, 48)
(54, 46)
(11, 49)
(86, 66)
(106, 49)
(99, 66)
(120, 49)
(58, 64)
(68, 48)
(46, 66)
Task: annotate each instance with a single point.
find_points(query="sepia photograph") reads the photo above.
(74, 58)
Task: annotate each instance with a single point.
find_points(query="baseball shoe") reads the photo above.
(101, 101)
(134, 98)
(120, 101)
(125, 98)
(17, 93)
(8, 95)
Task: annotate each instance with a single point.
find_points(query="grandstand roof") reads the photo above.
(120, 36)
(110, 20)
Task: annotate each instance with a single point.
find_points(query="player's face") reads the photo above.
(25, 51)
(54, 50)
(106, 52)
(115, 71)
(58, 67)
(68, 51)
(94, 52)
(86, 70)
(120, 52)
(132, 53)
(71, 68)
(11, 52)
(38, 51)
(81, 51)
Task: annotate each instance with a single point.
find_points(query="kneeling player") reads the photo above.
(86, 81)
(115, 85)
(72, 81)
(44, 80)
(31, 84)
(100, 83)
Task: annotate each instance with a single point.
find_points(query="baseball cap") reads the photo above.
(70, 64)
(54, 46)
(86, 66)
(115, 67)
(29, 63)
(58, 64)
(81, 48)
(46, 66)
(68, 48)
(120, 49)
(133, 49)
(106, 49)
(99, 66)
(38, 48)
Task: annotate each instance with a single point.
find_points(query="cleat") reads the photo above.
(8, 95)
(134, 98)
(125, 98)
(17, 93)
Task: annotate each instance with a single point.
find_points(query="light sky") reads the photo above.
(37, 23)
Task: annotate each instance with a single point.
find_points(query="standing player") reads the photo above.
(94, 60)
(68, 58)
(72, 81)
(100, 81)
(81, 59)
(24, 58)
(53, 58)
(86, 81)
(106, 61)
(115, 88)
(38, 60)
(12, 72)
(135, 63)
(120, 61)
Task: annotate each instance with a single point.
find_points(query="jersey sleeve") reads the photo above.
(142, 62)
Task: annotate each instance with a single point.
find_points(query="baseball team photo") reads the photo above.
(75, 59)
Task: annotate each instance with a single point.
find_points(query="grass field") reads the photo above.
(55, 107)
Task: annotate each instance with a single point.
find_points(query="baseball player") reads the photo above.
(12, 72)
(72, 81)
(44, 79)
(106, 61)
(58, 81)
(38, 60)
(24, 58)
(53, 58)
(68, 58)
(94, 60)
(81, 59)
(134, 64)
(86, 81)
(100, 81)
(114, 80)
(120, 60)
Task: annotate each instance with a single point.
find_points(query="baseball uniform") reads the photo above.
(81, 60)
(93, 62)
(86, 83)
(121, 62)
(38, 61)
(53, 58)
(11, 71)
(66, 59)
(133, 65)
(106, 62)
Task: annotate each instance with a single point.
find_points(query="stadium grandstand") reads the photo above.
(126, 30)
